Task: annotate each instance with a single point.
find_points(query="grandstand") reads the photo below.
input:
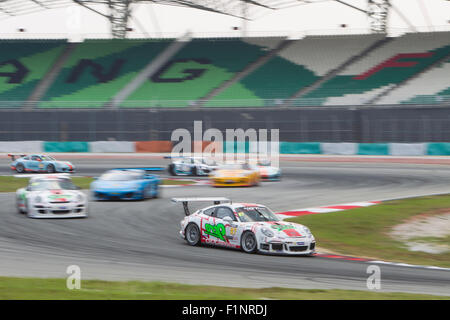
(373, 86)
(228, 72)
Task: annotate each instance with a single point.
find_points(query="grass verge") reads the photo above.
(55, 289)
(364, 232)
(11, 184)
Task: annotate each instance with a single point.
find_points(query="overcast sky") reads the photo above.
(158, 19)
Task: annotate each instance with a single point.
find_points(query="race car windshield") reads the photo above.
(256, 214)
(47, 158)
(236, 166)
(209, 162)
(120, 176)
(52, 185)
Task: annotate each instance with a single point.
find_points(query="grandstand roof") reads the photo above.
(228, 7)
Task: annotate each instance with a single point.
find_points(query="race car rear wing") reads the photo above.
(145, 169)
(14, 156)
(185, 202)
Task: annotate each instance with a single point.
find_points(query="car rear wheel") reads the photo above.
(20, 168)
(192, 234)
(248, 242)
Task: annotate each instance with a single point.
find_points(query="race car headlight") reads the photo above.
(38, 199)
(79, 198)
(308, 232)
(267, 232)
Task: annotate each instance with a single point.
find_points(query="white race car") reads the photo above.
(191, 166)
(51, 196)
(268, 172)
(249, 227)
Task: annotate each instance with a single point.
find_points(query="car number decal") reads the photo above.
(217, 231)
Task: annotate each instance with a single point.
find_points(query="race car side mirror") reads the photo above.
(228, 219)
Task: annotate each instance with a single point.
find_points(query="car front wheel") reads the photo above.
(50, 168)
(248, 242)
(172, 170)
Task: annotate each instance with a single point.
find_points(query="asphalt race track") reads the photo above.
(139, 240)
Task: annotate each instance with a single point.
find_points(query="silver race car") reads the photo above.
(246, 226)
(51, 196)
(191, 166)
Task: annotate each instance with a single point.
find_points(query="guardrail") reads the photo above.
(436, 100)
(341, 148)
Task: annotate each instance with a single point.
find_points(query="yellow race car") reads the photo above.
(235, 175)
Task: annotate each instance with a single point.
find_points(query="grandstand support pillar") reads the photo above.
(245, 17)
(378, 12)
(119, 14)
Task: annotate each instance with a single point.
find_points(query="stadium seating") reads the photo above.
(199, 67)
(295, 67)
(22, 64)
(97, 69)
(430, 87)
(229, 72)
(386, 66)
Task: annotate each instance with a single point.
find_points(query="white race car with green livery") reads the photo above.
(246, 226)
(51, 196)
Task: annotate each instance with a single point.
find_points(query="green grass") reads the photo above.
(55, 289)
(11, 184)
(364, 231)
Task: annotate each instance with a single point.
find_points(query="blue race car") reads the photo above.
(127, 184)
(39, 163)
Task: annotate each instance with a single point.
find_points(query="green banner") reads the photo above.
(235, 147)
(373, 149)
(300, 148)
(70, 146)
(438, 149)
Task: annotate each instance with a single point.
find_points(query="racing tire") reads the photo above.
(194, 171)
(172, 170)
(18, 208)
(157, 193)
(51, 168)
(20, 168)
(249, 243)
(192, 234)
(152, 194)
(26, 208)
